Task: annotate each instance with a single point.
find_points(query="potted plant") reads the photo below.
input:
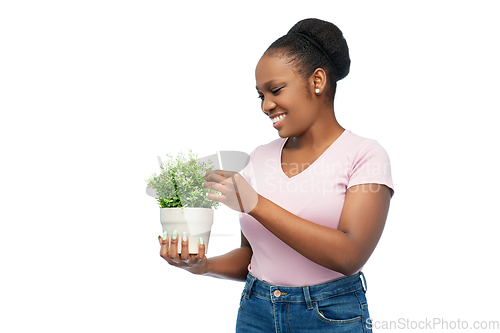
(184, 206)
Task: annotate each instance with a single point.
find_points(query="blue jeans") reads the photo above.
(336, 306)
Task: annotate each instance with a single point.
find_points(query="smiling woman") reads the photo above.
(313, 203)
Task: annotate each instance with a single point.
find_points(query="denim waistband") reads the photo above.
(307, 294)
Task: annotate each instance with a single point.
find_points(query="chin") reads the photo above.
(282, 134)
(287, 133)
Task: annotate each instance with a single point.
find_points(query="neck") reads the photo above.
(321, 134)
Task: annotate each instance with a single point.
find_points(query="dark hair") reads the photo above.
(323, 46)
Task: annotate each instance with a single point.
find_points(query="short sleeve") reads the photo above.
(247, 171)
(370, 164)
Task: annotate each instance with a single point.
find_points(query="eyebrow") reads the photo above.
(267, 84)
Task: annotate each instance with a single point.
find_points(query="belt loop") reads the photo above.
(307, 297)
(363, 281)
(248, 288)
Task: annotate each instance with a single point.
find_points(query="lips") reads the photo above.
(277, 119)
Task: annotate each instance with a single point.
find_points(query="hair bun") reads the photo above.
(330, 38)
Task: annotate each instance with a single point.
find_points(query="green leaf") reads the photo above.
(180, 182)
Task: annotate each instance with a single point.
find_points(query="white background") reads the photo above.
(91, 92)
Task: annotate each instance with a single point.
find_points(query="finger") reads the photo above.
(164, 245)
(216, 177)
(201, 248)
(163, 239)
(219, 175)
(208, 185)
(172, 253)
(185, 247)
(212, 173)
(216, 197)
(215, 186)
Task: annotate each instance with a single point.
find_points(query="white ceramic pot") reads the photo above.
(195, 222)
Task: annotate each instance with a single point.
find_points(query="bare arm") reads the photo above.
(345, 249)
(232, 265)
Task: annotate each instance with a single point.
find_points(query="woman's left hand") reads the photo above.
(235, 191)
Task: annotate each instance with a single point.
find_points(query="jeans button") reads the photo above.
(277, 293)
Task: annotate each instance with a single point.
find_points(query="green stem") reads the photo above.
(176, 190)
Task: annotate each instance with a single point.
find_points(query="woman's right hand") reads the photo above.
(194, 263)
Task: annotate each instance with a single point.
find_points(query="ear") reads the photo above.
(318, 81)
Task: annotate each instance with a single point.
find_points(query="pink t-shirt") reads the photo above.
(316, 194)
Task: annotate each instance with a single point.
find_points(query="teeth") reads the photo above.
(276, 119)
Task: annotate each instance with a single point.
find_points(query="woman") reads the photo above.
(313, 203)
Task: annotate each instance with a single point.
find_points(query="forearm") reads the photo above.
(328, 247)
(232, 265)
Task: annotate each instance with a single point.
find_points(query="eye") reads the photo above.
(276, 90)
(261, 97)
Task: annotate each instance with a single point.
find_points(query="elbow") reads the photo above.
(349, 265)
(348, 271)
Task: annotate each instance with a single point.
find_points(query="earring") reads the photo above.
(317, 91)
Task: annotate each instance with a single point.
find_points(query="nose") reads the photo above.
(267, 106)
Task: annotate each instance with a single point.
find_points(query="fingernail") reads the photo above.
(184, 236)
(174, 235)
(164, 237)
(201, 240)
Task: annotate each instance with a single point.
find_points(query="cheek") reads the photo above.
(302, 118)
(288, 101)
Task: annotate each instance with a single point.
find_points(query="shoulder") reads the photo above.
(368, 163)
(359, 147)
(267, 150)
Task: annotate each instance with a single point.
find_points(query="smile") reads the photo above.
(278, 118)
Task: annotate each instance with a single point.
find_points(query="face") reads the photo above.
(285, 96)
